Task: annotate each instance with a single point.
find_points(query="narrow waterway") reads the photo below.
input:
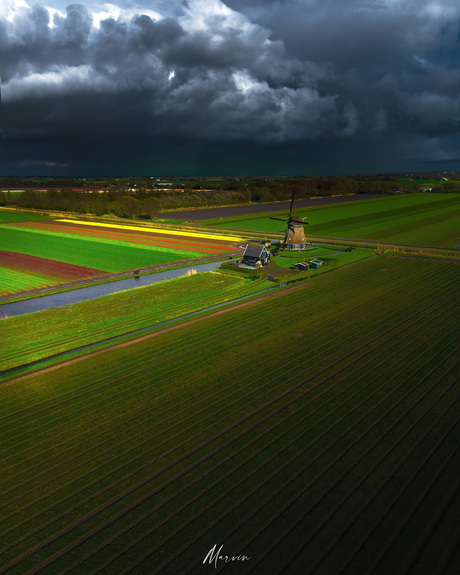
(92, 292)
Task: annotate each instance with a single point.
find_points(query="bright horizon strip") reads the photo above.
(157, 231)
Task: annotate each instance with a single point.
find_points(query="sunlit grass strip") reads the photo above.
(85, 251)
(8, 215)
(121, 243)
(12, 281)
(158, 231)
(33, 336)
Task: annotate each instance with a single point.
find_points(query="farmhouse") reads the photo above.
(255, 254)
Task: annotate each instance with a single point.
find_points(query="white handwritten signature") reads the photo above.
(215, 555)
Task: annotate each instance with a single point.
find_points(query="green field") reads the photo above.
(39, 335)
(427, 219)
(331, 256)
(102, 254)
(13, 281)
(11, 216)
(315, 431)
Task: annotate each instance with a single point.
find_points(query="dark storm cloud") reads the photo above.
(377, 80)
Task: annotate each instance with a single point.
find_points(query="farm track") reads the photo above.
(275, 382)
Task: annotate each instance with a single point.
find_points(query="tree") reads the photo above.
(151, 207)
(128, 207)
(28, 199)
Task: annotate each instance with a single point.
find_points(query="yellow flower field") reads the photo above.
(158, 231)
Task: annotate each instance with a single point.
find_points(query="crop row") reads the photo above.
(52, 268)
(21, 272)
(146, 239)
(364, 208)
(358, 277)
(385, 218)
(99, 241)
(134, 391)
(147, 363)
(272, 377)
(54, 405)
(264, 503)
(184, 233)
(233, 483)
(106, 255)
(165, 354)
(12, 281)
(361, 478)
(10, 215)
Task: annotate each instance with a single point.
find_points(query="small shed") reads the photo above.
(255, 253)
(316, 264)
(301, 266)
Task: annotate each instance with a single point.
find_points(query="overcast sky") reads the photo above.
(205, 87)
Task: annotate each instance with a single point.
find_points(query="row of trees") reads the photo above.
(85, 203)
(147, 203)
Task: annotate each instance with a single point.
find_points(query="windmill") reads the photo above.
(294, 239)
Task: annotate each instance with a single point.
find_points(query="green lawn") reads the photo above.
(315, 431)
(428, 219)
(331, 257)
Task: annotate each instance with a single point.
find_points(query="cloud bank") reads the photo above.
(203, 86)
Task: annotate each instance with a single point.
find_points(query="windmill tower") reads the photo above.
(294, 239)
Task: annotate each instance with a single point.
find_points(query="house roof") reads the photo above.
(255, 251)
